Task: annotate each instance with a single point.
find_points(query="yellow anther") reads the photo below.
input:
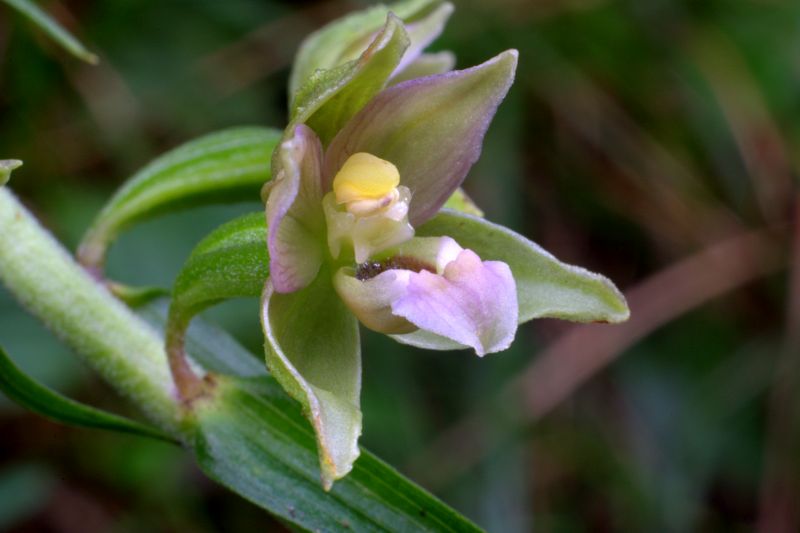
(365, 177)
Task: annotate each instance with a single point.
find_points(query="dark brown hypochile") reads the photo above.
(370, 269)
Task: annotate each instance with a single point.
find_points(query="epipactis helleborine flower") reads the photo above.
(343, 217)
(350, 213)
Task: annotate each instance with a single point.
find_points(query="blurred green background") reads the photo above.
(654, 141)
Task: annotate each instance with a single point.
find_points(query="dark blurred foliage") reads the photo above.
(654, 141)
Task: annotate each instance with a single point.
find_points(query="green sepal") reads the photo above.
(52, 28)
(346, 38)
(231, 262)
(459, 201)
(38, 398)
(313, 350)
(329, 98)
(6, 167)
(546, 287)
(230, 165)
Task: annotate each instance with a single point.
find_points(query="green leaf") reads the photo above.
(230, 262)
(329, 98)
(252, 438)
(547, 288)
(231, 165)
(6, 167)
(346, 38)
(32, 395)
(56, 32)
(313, 350)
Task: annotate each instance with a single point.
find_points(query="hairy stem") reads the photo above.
(43, 276)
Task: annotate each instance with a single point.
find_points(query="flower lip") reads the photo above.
(435, 285)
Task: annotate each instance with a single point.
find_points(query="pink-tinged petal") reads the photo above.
(371, 300)
(423, 32)
(370, 290)
(295, 222)
(431, 128)
(473, 303)
(426, 65)
(546, 287)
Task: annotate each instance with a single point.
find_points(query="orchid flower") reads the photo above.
(357, 234)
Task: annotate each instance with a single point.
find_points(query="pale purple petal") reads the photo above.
(431, 128)
(473, 303)
(295, 220)
(423, 32)
(426, 65)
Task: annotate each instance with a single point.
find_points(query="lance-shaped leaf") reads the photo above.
(52, 28)
(346, 38)
(253, 440)
(40, 399)
(329, 98)
(313, 351)
(251, 437)
(231, 165)
(546, 287)
(6, 167)
(431, 129)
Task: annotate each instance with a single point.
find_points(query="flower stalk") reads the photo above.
(189, 386)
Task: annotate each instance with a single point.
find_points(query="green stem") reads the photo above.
(43, 276)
